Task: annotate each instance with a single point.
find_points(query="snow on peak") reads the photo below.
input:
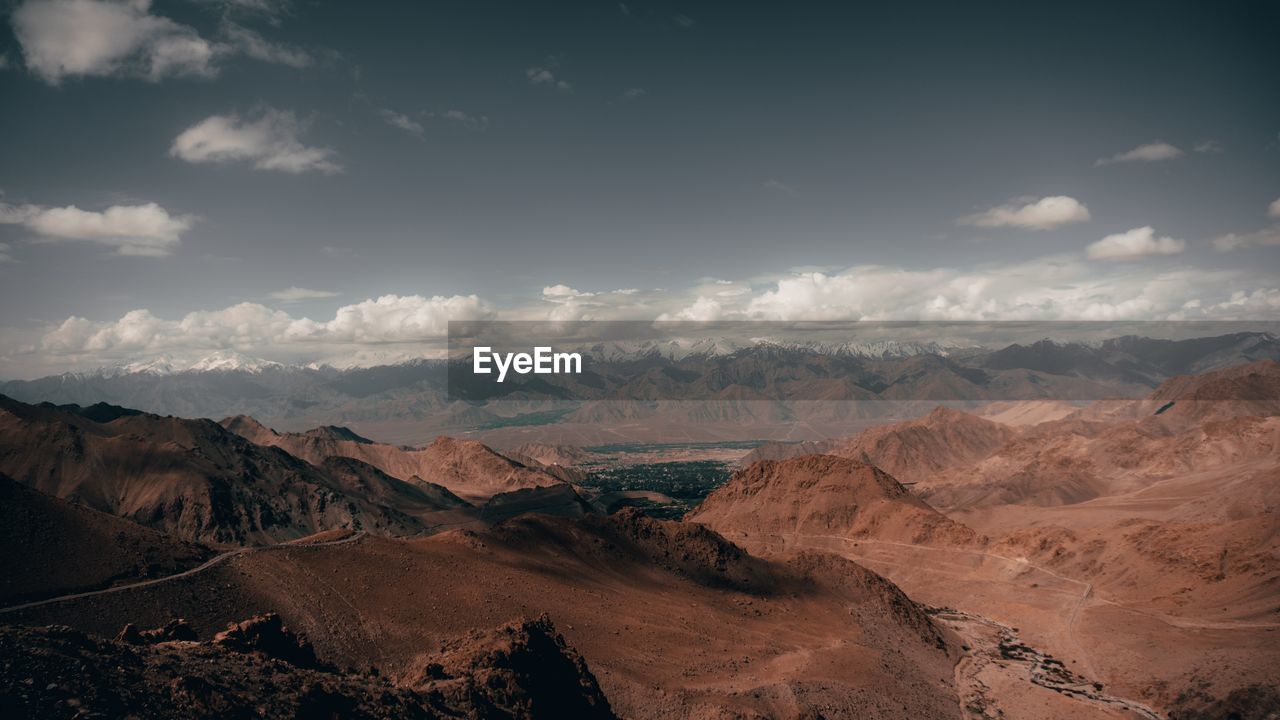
(228, 360)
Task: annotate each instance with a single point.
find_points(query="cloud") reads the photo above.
(1055, 288)
(542, 76)
(395, 327)
(90, 37)
(123, 38)
(1267, 237)
(146, 230)
(4, 253)
(1274, 208)
(297, 294)
(704, 309)
(269, 142)
(781, 187)
(1209, 146)
(1032, 213)
(273, 9)
(402, 121)
(634, 93)
(461, 119)
(256, 329)
(1134, 244)
(1151, 152)
(255, 46)
(684, 22)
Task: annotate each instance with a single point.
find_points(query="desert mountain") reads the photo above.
(824, 495)
(566, 455)
(465, 468)
(919, 448)
(51, 547)
(1132, 537)
(402, 401)
(198, 481)
(671, 619)
(1220, 424)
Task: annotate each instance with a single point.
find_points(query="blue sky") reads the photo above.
(325, 181)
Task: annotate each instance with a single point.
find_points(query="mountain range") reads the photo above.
(759, 384)
(1060, 562)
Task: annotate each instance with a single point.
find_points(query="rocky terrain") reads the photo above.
(1129, 538)
(195, 480)
(672, 619)
(824, 495)
(51, 547)
(464, 467)
(739, 391)
(1074, 563)
(259, 668)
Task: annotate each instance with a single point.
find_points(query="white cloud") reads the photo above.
(1274, 208)
(397, 327)
(685, 22)
(1151, 152)
(634, 93)
(269, 142)
(88, 38)
(402, 121)
(704, 309)
(297, 294)
(1133, 244)
(558, 292)
(1267, 237)
(543, 76)
(256, 329)
(4, 253)
(1046, 289)
(1033, 213)
(91, 37)
(1208, 146)
(147, 230)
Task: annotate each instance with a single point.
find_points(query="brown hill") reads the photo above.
(1223, 570)
(547, 454)
(915, 449)
(824, 495)
(782, 451)
(51, 547)
(193, 478)
(672, 620)
(1245, 390)
(466, 468)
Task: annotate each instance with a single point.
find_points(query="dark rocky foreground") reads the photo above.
(260, 669)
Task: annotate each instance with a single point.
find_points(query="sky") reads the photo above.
(329, 181)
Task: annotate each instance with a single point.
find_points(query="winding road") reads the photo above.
(216, 560)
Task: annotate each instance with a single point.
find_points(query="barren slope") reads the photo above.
(193, 478)
(465, 467)
(824, 495)
(673, 620)
(51, 547)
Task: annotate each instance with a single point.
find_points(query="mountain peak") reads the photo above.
(337, 432)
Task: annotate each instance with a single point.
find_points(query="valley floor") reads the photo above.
(1138, 656)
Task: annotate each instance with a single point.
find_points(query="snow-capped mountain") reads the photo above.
(220, 361)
